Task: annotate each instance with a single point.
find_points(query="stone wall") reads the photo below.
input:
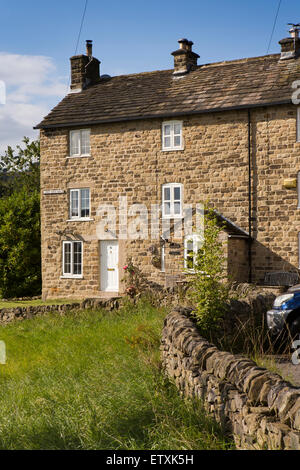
(249, 308)
(8, 315)
(259, 408)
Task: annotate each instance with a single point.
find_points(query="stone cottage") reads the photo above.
(227, 133)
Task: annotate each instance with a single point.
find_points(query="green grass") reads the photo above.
(38, 302)
(92, 380)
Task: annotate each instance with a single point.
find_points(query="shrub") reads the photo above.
(20, 252)
(134, 279)
(209, 288)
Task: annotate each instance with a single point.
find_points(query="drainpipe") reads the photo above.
(249, 200)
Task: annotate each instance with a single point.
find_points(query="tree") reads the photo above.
(20, 239)
(209, 289)
(21, 167)
(20, 252)
(5, 184)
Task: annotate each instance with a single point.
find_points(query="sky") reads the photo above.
(37, 38)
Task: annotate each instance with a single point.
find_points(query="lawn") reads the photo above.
(92, 380)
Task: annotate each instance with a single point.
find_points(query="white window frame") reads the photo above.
(79, 217)
(298, 125)
(196, 241)
(172, 147)
(80, 154)
(71, 275)
(163, 259)
(172, 214)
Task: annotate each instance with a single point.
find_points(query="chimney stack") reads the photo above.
(290, 47)
(185, 59)
(85, 69)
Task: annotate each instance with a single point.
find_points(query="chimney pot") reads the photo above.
(294, 33)
(183, 43)
(89, 48)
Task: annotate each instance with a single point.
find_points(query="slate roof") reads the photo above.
(230, 227)
(219, 86)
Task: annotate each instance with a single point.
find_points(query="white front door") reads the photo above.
(109, 266)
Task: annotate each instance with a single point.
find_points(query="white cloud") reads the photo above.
(32, 89)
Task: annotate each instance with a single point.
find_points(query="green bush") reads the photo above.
(20, 252)
(209, 289)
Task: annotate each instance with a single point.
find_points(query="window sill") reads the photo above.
(170, 217)
(192, 271)
(71, 277)
(79, 156)
(84, 219)
(175, 149)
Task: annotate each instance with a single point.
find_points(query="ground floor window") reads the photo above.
(192, 247)
(72, 258)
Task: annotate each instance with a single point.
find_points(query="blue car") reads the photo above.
(285, 314)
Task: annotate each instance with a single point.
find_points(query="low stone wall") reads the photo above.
(256, 406)
(247, 306)
(8, 315)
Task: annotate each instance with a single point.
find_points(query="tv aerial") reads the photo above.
(295, 28)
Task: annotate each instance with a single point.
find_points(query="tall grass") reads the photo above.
(92, 380)
(252, 337)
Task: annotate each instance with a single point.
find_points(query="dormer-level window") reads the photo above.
(172, 135)
(172, 200)
(80, 203)
(80, 143)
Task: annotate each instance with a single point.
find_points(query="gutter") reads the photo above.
(162, 115)
(249, 199)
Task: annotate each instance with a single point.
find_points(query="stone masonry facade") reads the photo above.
(127, 159)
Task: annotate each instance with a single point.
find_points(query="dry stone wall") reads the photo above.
(8, 315)
(259, 408)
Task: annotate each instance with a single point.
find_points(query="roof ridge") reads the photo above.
(208, 64)
(243, 60)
